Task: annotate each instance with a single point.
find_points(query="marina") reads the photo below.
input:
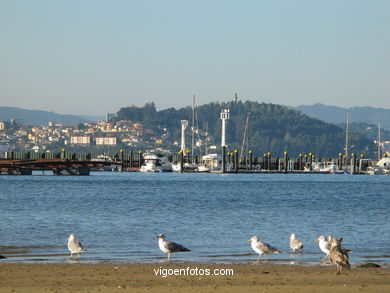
(62, 163)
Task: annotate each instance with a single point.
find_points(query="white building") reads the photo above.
(80, 140)
(106, 141)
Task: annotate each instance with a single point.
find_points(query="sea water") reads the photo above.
(117, 216)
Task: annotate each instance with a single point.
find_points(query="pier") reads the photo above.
(57, 166)
(63, 163)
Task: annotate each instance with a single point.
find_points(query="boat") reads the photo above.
(155, 162)
(323, 167)
(105, 158)
(382, 167)
(374, 170)
(187, 167)
(210, 163)
(384, 163)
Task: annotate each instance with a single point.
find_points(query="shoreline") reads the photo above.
(137, 277)
(238, 259)
(63, 259)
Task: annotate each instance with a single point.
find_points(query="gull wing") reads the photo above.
(175, 247)
(266, 248)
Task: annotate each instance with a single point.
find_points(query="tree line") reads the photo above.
(272, 128)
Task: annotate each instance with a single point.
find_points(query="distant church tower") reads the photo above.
(235, 98)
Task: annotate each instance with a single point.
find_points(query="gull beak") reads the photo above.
(317, 240)
(250, 240)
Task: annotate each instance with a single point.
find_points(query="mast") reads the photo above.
(245, 137)
(379, 141)
(193, 127)
(184, 124)
(207, 126)
(346, 136)
(224, 116)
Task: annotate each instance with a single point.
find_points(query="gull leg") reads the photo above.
(265, 256)
(258, 260)
(325, 257)
(71, 254)
(78, 254)
(169, 257)
(338, 270)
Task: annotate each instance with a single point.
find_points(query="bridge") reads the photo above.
(57, 166)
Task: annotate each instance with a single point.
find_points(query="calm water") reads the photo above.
(118, 215)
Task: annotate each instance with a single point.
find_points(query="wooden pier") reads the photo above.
(57, 166)
(64, 163)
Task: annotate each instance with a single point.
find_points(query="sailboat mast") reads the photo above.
(193, 126)
(245, 137)
(346, 136)
(379, 141)
(207, 126)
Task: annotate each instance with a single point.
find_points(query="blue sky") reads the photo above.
(93, 57)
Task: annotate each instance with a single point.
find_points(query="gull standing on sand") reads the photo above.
(324, 245)
(295, 243)
(170, 247)
(262, 247)
(74, 245)
(338, 255)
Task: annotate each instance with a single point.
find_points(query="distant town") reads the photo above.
(102, 136)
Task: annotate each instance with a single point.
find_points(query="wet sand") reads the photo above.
(142, 278)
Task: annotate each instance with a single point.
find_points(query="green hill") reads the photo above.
(272, 128)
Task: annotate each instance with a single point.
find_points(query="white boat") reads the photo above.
(384, 163)
(382, 167)
(188, 167)
(210, 163)
(322, 167)
(154, 162)
(105, 158)
(374, 170)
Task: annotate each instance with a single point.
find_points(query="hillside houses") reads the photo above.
(124, 133)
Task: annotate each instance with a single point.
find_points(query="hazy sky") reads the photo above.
(93, 57)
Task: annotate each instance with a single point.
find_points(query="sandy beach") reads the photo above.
(142, 278)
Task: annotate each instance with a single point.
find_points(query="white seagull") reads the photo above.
(74, 246)
(295, 243)
(169, 247)
(262, 247)
(324, 245)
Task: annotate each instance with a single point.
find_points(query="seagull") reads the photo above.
(74, 245)
(262, 247)
(324, 245)
(338, 255)
(295, 243)
(170, 247)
